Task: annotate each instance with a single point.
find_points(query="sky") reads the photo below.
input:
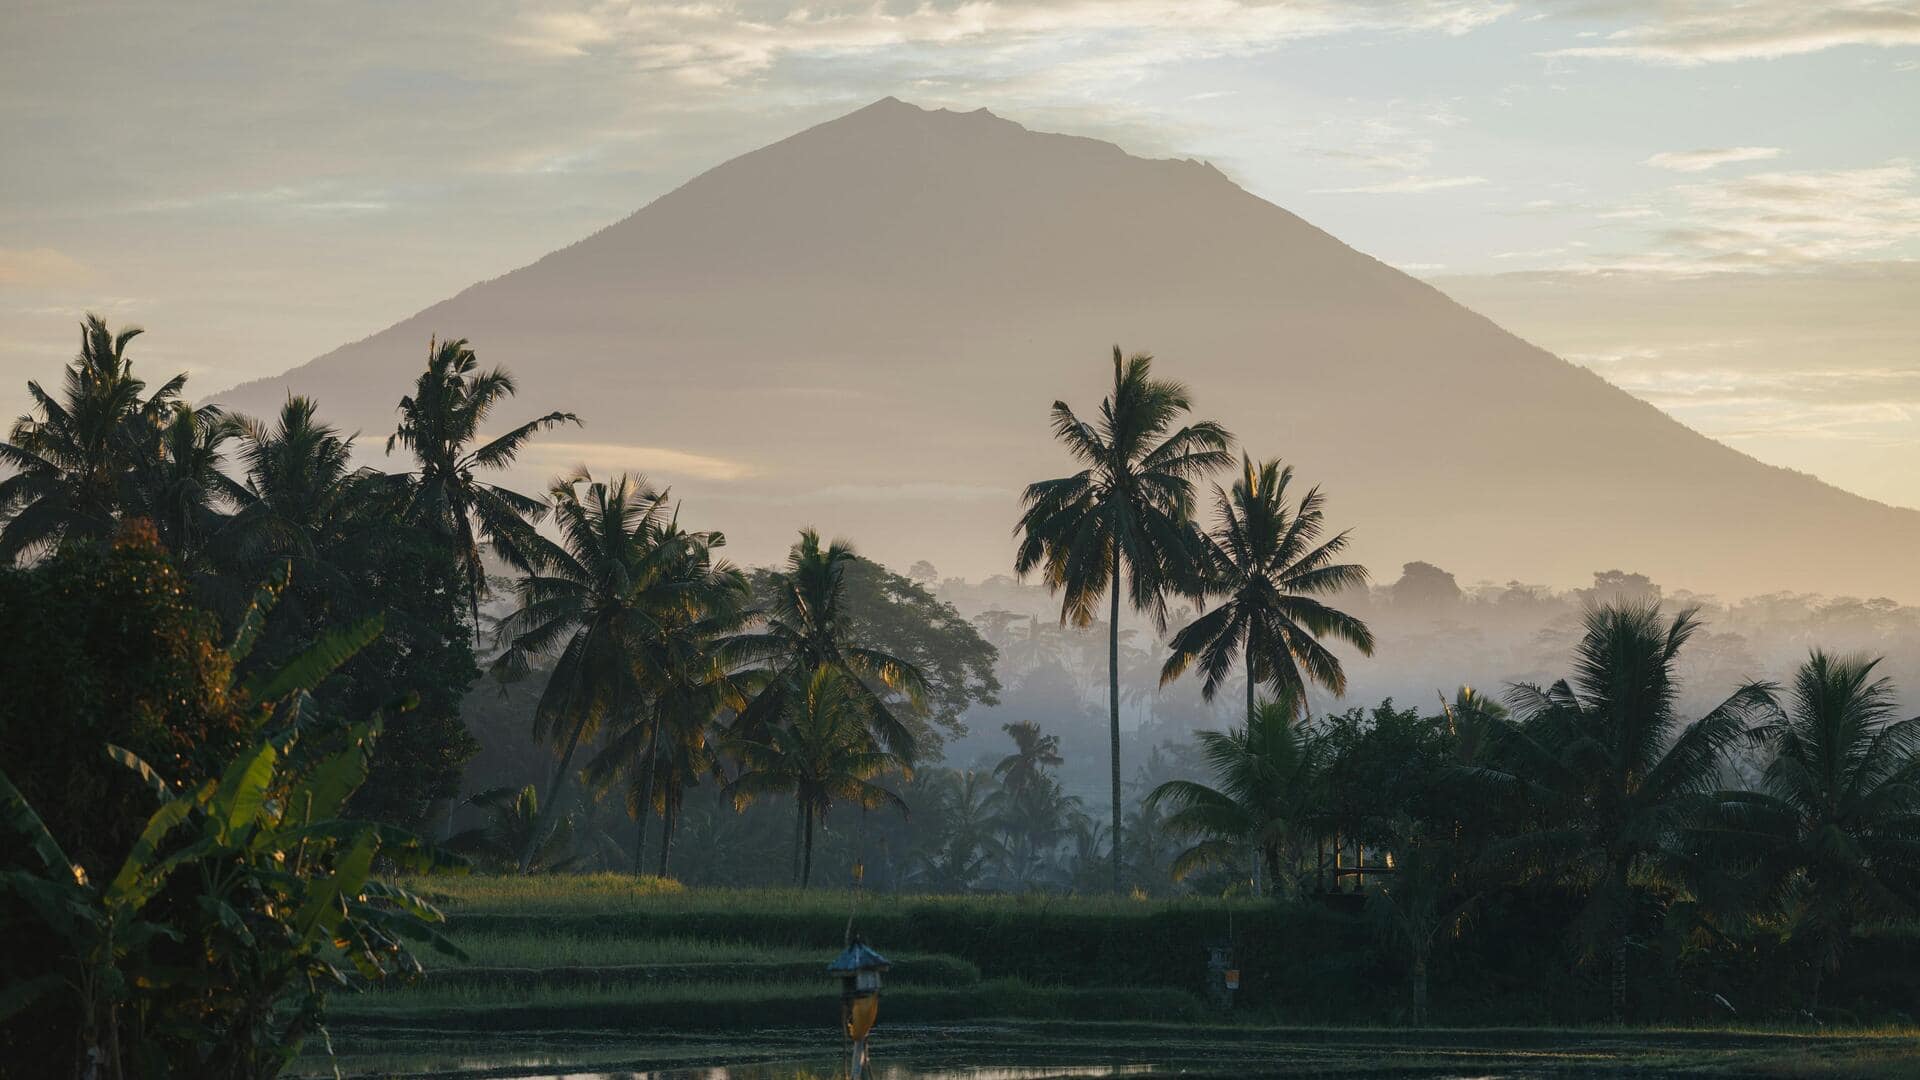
(1714, 205)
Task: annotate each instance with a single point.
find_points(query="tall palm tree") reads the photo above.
(805, 628)
(692, 601)
(1123, 522)
(72, 455)
(1267, 563)
(1837, 818)
(1609, 771)
(821, 755)
(1267, 781)
(439, 423)
(1033, 754)
(580, 606)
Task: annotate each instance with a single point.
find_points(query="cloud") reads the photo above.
(620, 457)
(1407, 185)
(1691, 161)
(719, 43)
(39, 268)
(1779, 221)
(1689, 34)
(1879, 405)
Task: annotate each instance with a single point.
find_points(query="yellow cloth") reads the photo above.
(860, 1015)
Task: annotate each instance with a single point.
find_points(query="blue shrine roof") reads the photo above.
(858, 958)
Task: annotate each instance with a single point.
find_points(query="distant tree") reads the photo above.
(1425, 587)
(509, 832)
(923, 573)
(1033, 754)
(1266, 563)
(1619, 587)
(822, 754)
(957, 852)
(1610, 771)
(1123, 522)
(71, 459)
(439, 424)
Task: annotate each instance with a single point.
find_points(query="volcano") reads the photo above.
(862, 327)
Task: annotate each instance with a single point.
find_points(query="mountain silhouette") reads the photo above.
(861, 327)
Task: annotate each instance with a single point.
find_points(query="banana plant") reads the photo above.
(210, 950)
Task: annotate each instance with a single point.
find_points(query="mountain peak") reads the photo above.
(889, 299)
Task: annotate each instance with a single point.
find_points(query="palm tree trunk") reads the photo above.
(1113, 708)
(645, 808)
(806, 867)
(543, 826)
(1420, 950)
(799, 823)
(666, 832)
(1618, 990)
(1252, 705)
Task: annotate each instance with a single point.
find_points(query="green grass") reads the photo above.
(527, 949)
(738, 1005)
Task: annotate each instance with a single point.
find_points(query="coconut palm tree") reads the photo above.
(1266, 562)
(692, 602)
(1121, 523)
(579, 605)
(1266, 792)
(1033, 754)
(1836, 821)
(805, 628)
(822, 754)
(439, 424)
(178, 482)
(508, 830)
(965, 842)
(71, 457)
(1609, 771)
(301, 502)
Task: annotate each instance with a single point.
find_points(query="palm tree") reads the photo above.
(512, 816)
(1266, 560)
(439, 423)
(805, 628)
(302, 502)
(1837, 819)
(691, 601)
(821, 755)
(964, 842)
(1268, 776)
(178, 482)
(1033, 754)
(1609, 771)
(1122, 523)
(72, 456)
(579, 604)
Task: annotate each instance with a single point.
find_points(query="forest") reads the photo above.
(262, 696)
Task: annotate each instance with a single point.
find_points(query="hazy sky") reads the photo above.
(1715, 205)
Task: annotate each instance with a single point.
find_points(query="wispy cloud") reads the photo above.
(1713, 31)
(39, 268)
(622, 457)
(1407, 185)
(1701, 160)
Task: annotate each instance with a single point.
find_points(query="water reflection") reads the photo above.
(880, 1071)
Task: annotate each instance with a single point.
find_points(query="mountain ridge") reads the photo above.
(867, 304)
